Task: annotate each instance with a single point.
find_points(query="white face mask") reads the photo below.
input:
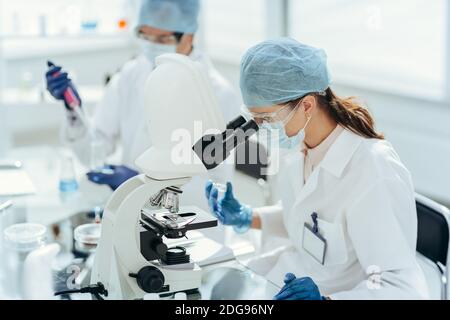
(152, 49)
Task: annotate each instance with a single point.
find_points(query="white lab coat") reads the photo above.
(364, 199)
(120, 118)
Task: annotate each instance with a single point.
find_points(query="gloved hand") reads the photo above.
(119, 175)
(58, 82)
(228, 210)
(298, 289)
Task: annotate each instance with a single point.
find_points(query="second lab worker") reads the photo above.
(346, 227)
(163, 27)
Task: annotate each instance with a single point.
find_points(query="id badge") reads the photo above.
(314, 243)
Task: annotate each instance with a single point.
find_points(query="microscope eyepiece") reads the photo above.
(213, 149)
(250, 125)
(236, 123)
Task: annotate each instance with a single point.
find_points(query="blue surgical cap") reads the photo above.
(172, 15)
(281, 70)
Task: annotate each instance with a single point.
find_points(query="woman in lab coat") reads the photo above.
(346, 226)
(163, 27)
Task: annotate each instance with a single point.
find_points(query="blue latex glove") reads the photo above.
(58, 82)
(298, 289)
(228, 210)
(119, 175)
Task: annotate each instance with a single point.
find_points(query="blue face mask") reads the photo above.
(284, 141)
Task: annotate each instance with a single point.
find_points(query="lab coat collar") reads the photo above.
(196, 54)
(334, 162)
(341, 152)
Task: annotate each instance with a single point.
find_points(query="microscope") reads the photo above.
(132, 258)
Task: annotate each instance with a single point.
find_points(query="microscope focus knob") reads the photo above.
(150, 279)
(159, 247)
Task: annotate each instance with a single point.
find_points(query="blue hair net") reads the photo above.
(281, 70)
(171, 15)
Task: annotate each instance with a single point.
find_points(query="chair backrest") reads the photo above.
(433, 230)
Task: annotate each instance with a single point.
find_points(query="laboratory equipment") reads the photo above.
(89, 17)
(217, 177)
(62, 88)
(69, 94)
(70, 97)
(19, 240)
(146, 207)
(67, 179)
(39, 262)
(86, 237)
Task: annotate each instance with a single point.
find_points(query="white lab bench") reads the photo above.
(48, 206)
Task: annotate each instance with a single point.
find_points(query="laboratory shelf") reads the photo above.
(20, 48)
(22, 108)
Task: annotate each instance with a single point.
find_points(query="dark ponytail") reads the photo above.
(349, 114)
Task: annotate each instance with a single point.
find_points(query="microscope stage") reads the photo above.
(188, 218)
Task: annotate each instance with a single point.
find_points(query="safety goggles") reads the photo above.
(283, 115)
(173, 38)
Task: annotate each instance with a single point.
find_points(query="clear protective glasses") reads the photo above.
(173, 38)
(283, 115)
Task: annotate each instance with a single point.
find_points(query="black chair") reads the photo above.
(433, 236)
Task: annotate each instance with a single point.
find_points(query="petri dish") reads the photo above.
(87, 236)
(25, 236)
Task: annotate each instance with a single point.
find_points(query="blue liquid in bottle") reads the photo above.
(67, 179)
(68, 185)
